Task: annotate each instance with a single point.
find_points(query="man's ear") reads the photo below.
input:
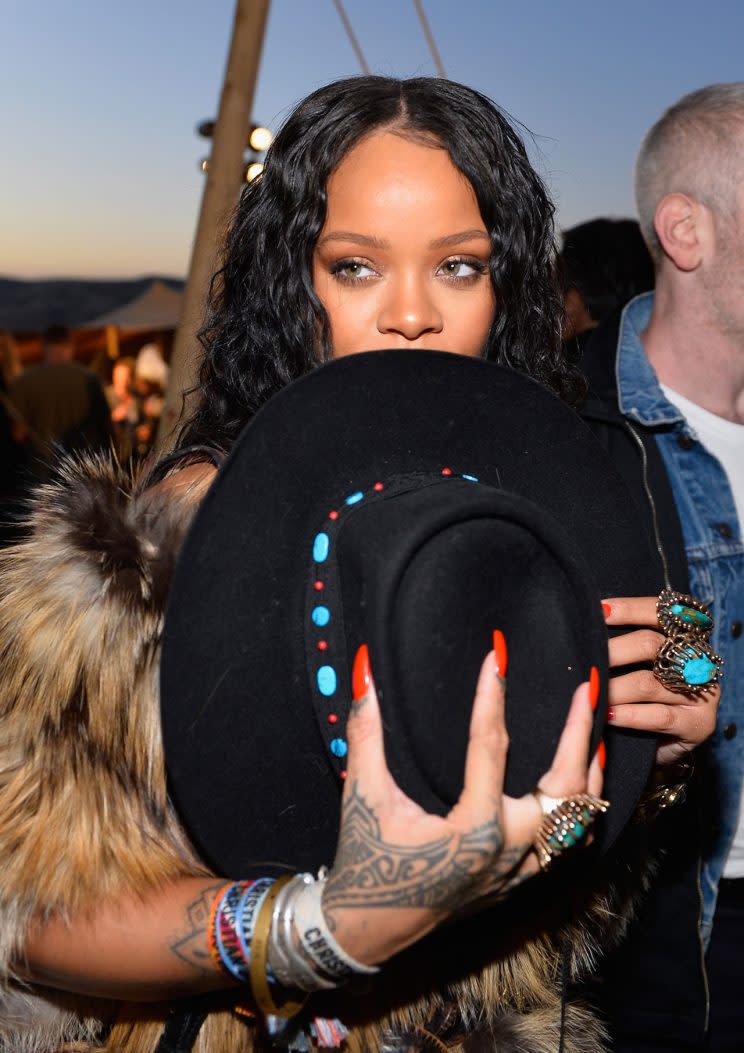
(682, 227)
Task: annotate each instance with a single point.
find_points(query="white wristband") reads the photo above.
(316, 939)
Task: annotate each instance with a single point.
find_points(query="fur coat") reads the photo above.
(84, 811)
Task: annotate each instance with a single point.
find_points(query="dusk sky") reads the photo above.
(100, 102)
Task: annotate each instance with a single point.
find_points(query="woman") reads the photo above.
(390, 214)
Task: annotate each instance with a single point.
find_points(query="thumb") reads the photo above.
(366, 758)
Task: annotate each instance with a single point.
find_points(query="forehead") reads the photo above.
(386, 176)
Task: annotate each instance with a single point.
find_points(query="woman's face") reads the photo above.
(402, 260)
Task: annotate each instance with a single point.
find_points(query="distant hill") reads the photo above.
(30, 306)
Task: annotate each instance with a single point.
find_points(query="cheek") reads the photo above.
(469, 322)
(350, 316)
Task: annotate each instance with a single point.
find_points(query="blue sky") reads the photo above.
(100, 172)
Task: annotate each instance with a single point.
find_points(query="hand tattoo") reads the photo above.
(442, 875)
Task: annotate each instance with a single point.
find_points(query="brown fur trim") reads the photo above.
(84, 811)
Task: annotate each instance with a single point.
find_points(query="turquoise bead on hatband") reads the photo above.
(327, 680)
(320, 547)
(320, 616)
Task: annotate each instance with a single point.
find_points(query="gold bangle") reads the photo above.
(260, 956)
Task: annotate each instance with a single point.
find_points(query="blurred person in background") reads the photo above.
(605, 263)
(667, 401)
(125, 407)
(60, 405)
(151, 380)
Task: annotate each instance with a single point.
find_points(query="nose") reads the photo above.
(408, 309)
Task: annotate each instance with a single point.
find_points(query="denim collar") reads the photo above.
(639, 394)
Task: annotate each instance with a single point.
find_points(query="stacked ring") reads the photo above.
(566, 820)
(685, 662)
(680, 613)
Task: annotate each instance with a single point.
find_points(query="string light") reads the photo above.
(260, 139)
(253, 170)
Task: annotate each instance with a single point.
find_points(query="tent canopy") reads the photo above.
(157, 307)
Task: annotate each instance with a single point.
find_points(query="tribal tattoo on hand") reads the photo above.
(444, 875)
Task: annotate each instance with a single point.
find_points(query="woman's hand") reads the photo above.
(400, 871)
(638, 700)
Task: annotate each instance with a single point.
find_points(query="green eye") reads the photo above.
(352, 270)
(462, 268)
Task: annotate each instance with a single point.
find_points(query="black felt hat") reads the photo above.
(413, 501)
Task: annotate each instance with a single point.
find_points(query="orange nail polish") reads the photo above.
(361, 675)
(602, 754)
(607, 610)
(499, 650)
(594, 687)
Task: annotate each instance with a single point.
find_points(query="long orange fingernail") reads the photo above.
(594, 687)
(499, 650)
(607, 610)
(361, 673)
(602, 754)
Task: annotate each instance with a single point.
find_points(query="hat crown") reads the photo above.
(237, 678)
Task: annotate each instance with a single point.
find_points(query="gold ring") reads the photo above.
(566, 821)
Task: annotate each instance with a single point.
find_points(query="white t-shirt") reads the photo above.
(725, 440)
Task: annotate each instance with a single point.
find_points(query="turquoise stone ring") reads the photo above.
(566, 821)
(680, 613)
(684, 663)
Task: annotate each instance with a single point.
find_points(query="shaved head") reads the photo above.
(695, 148)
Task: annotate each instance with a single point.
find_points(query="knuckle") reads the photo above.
(360, 728)
(648, 685)
(668, 719)
(651, 642)
(495, 739)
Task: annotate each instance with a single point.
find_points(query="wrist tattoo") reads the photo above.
(191, 944)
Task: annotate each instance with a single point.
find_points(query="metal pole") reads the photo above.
(429, 38)
(223, 180)
(352, 36)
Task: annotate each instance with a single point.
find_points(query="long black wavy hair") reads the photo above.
(265, 325)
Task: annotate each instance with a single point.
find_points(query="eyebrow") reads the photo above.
(377, 243)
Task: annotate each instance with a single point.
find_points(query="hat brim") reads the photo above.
(246, 757)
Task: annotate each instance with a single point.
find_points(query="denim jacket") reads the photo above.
(715, 555)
